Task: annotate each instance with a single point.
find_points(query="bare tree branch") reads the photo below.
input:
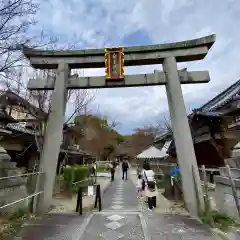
(81, 100)
(16, 16)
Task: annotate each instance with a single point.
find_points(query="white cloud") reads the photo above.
(102, 23)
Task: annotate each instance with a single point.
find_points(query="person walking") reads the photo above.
(139, 186)
(112, 170)
(94, 171)
(114, 163)
(151, 195)
(125, 170)
(149, 186)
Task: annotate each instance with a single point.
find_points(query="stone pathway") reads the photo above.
(121, 195)
(123, 218)
(120, 218)
(176, 227)
(53, 226)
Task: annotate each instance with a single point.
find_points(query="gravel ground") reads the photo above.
(68, 204)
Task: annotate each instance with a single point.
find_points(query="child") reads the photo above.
(139, 186)
(151, 195)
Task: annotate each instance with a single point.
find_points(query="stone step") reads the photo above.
(11, 195)
(9, 183)
(4, 156)
(8, 165)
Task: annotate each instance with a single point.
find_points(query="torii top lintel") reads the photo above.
(190, 50)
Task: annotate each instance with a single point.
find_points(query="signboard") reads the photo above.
(90, 190)
(114, 63)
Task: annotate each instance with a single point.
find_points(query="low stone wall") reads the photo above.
(10, 189)
(223, 194)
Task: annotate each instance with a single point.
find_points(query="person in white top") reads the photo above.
(139, 186)
(148, 175)
(94, 168)
(149, 185)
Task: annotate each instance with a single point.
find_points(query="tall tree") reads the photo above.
(79, 100)
(100, 138)
(16, 19)
(16, 16)
(134, 144)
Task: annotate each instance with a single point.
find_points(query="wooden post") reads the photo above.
(233, 189)
(79, 206)
(96, 197)
(175, 183)
(99, 199)
(208, 209)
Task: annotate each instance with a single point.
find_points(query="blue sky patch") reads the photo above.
(97, 24)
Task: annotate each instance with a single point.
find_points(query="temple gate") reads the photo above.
(114, 60)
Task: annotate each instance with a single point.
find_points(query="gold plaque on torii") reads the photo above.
(114, 63)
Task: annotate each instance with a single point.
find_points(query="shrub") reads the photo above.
(74, 174)
(80, 173)
(68, 177)
(220, 220)
(19, 213)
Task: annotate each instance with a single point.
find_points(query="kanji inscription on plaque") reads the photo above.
(114, 63)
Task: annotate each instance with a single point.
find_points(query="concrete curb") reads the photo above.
(221, 234)
(226, 236)
(217, 232)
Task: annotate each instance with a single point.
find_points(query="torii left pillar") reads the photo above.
(54, 132)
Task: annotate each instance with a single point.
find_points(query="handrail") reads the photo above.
(24, 198)
(164, 164)
(80, 181)
(22, 175)
(21, 199)
(87, 179)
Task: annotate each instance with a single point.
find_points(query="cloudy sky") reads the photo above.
(101, 23)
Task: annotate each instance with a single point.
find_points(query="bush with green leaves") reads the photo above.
(19, 213)
(73, 174)
(80, 172)
(219, 219)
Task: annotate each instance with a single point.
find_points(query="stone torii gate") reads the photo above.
(114, 59)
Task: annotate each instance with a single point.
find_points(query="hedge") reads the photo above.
(74, 174)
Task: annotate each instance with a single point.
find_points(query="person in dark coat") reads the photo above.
(125, 169)
(112, 170)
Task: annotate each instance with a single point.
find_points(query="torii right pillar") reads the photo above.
(183, 139)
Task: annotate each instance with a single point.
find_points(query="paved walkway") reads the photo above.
(122, 218)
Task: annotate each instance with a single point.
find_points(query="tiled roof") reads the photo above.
(20, 128)
(231, 93)
(11, 98)
(162, 136)
(210, 114)
(210, 108)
